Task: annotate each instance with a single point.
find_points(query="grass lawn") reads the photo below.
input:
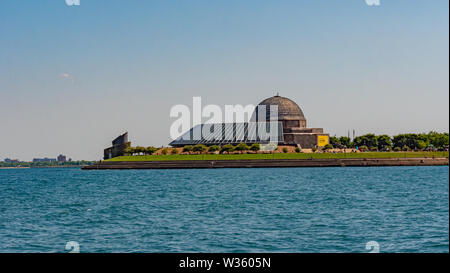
(279, 156)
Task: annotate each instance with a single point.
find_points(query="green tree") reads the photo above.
(335, 141)
(369, 140)
(255, 147)
(228, 148)
(164, 151)
(400, 140)
(140, 150)
(213, 149)
(241, 147)
(129, 151)
(421, 145)
(409, 140)
(188, 149)
(327, 147)
(298, 150)
(150, 150)
(422, 142)
(384, 142)
(285, 150)
(200, 148)
(345, 141)
(174, 151)
(363, 148)
(438, 140)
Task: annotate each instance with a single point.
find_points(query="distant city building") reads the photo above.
(8, 160)
(62, 158)
(35, 160)
(118, 148)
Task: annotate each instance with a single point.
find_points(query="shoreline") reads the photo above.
(268, 163)
(42, 167)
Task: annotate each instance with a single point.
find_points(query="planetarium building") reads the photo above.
(276, 120)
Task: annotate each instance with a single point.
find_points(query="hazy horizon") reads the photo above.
(74, 78)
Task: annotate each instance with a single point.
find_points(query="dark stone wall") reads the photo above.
(306, 141)
(264, 163)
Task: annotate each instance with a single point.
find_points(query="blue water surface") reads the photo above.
(403, 209)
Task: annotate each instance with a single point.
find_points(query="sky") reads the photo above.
(72, 78)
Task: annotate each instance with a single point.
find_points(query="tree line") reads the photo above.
(402, 142)
(199, 148)
(45, 164)
(228, 148)
(370, 142)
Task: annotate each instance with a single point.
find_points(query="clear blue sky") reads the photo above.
(73, 78)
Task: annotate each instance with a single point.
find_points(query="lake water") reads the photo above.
(403, 209)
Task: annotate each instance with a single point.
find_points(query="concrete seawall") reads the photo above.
(267, 163)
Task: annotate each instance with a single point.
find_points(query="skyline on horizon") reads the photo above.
(74, 78)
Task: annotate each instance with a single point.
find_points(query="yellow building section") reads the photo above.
(322, 141)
